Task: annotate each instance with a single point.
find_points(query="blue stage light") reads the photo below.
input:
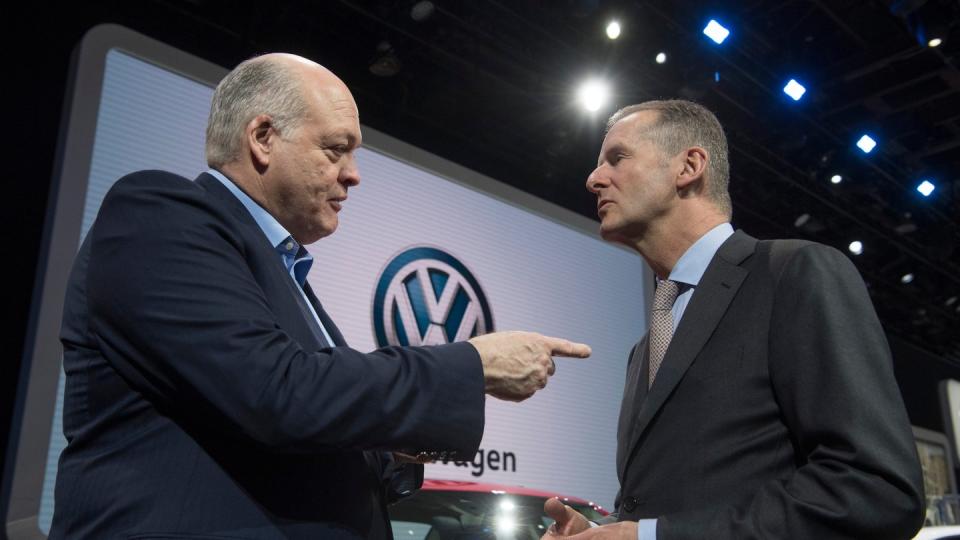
(794, 89)
(926, 188)
(716, 31)
(866, 143)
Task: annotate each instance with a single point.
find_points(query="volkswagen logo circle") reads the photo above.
(425, 296)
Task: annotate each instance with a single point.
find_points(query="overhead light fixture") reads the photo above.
(613, 30)
(661, 57)
(928, 20)
(856, 247)
(593, 95)
(836, 179)
(422, 10)
(866, 144)
(809, 224)
(926, 188)
(716, 31)
(794, 89)
(906, 278)
(386, 63)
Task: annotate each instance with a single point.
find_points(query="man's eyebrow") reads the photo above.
(614, 148)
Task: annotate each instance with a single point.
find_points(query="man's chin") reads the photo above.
(608, 232)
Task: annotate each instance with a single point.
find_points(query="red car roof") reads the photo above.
(431, 484)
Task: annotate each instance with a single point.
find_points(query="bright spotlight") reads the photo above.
(856, 247)
(506, 525)
(507, 505)
(906, 278)
(794, 89)
(613, 30)
(661, 58)
(836, 179)
(716, 31)
(866, 143)
(593, 95)
(935, 42)
(926, 188)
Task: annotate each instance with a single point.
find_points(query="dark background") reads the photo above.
(490, 84)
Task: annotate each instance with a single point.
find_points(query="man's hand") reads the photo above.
(625, 530)
(567, 520)
(517, 364)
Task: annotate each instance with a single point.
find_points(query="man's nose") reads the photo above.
(593, 181)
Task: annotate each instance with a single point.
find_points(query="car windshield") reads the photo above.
(473, 515)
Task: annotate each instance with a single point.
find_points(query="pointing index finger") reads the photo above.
(563, 347)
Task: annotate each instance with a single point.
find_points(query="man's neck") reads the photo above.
(666, 241)
(247, 180)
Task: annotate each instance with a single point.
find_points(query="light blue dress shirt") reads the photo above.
(295, 257)
(687, 273)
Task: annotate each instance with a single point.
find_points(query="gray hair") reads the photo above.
(681, 124)
(256, 86)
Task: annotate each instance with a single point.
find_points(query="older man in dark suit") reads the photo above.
(762, 403)
(208, 393)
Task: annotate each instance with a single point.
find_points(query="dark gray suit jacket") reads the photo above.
(200, 402)
(775, 413)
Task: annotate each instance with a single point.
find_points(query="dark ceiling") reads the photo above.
(489, 84)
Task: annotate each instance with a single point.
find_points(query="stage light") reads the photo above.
(794, 89)
(661, 58)
(836, 179)
(386, 63)
(506, 525)
(866, 143)
(716, 31)
(422, 10)
(613, 30)
(593, 95)
(926, 188)
(935, 42)
(801, 220)
(856, 247)
(906, 278)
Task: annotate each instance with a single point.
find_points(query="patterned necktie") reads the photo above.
(661, 324)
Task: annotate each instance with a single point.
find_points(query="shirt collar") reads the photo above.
(693, 263)
(272, 228)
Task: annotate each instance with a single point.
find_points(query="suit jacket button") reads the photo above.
(630, 504)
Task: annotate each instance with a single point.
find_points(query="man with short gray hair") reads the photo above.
(761, 403)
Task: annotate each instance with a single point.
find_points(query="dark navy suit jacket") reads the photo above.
(199, 402)
(775, 413)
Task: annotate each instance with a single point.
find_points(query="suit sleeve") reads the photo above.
(176, 310)
(858, 473)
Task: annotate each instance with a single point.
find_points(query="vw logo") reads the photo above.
(427, 297)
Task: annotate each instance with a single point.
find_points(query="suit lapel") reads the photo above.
(280, 290)
(634, 392)
(710, 300)
(335, 335)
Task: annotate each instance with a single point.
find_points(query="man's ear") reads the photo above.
(261, 137)
(694, 168)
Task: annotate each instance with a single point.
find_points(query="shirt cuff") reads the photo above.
(647, 529)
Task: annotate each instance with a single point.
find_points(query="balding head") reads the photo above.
(272, 84)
